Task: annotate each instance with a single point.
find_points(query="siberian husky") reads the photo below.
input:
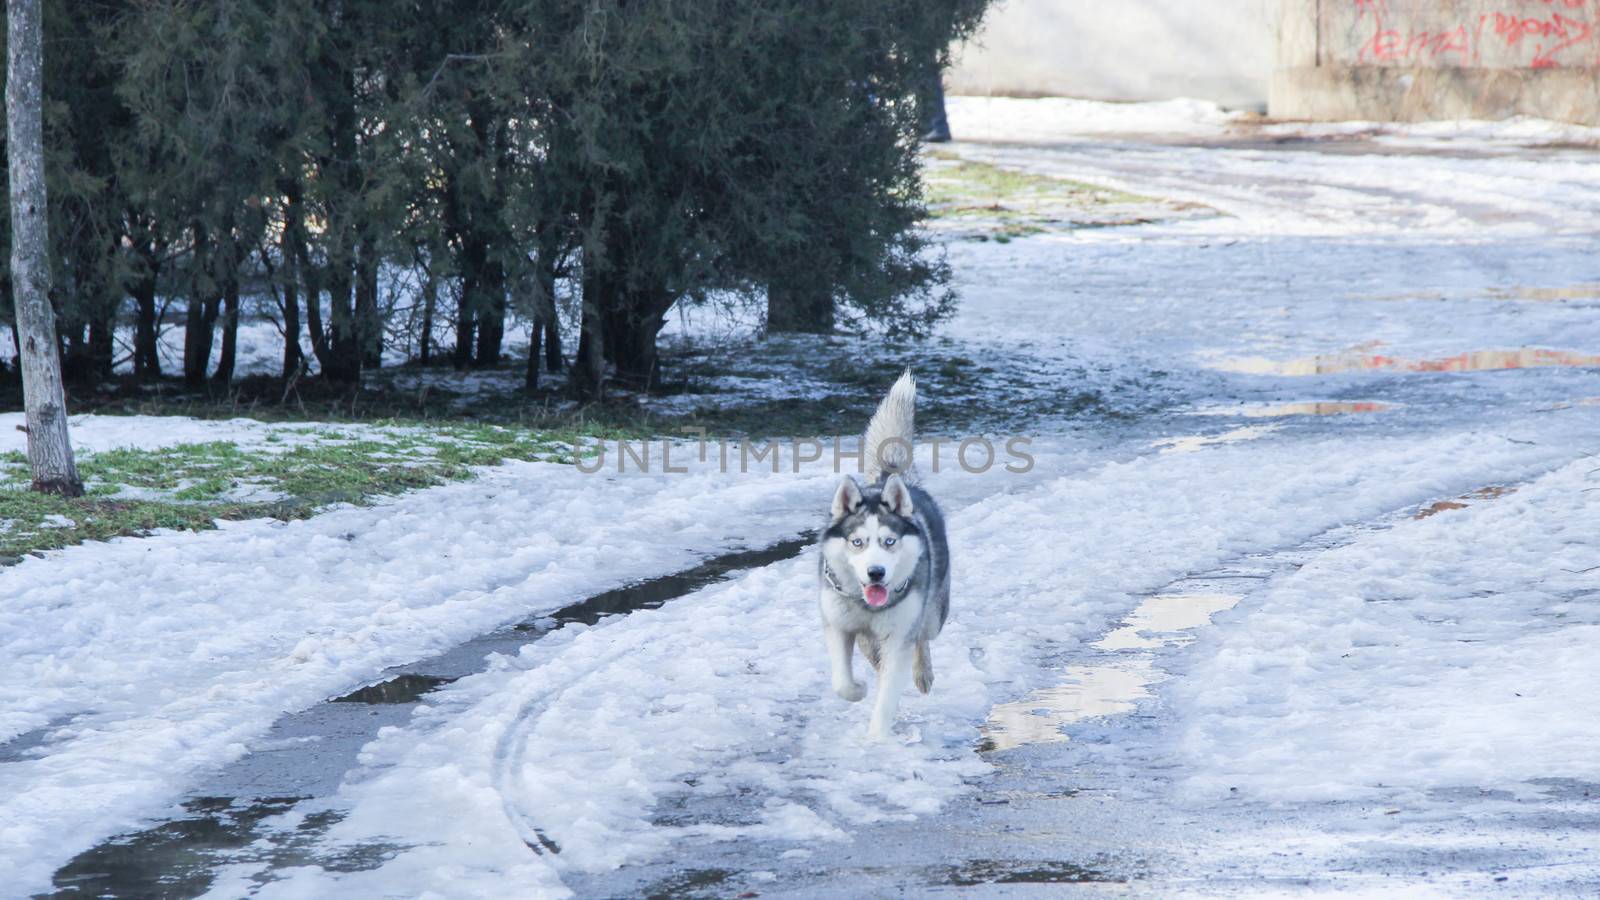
(884, 569)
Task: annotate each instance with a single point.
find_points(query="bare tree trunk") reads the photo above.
(343, 363)
(102, 343)
(545, 303)
(631, 323)
(369, 324)
(552, 344)
(230, 331)
(294, 236)
(49, 445)
(465, 325)
(200, 323)
(199, 331)
(430, 299)
(146, 358)
(319, 334)
(491, 316)
(474, 262)
(530, 377)
(292, 355)
(589, 368)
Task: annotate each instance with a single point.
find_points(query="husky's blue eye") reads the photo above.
(855, 542)
(888, 542)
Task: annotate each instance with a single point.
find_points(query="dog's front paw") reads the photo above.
(852, 692)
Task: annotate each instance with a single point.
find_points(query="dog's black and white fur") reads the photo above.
(884, 569)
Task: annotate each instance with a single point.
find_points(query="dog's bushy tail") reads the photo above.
(887, 444)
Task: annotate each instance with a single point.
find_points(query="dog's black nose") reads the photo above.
(875, 573)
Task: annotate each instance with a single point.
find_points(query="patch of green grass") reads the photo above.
(965, 187)
(191, 486)
(983, 202)
(31, 522)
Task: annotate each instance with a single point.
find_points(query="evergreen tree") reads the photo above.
(486, 151)
(722, 145)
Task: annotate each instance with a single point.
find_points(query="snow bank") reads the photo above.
(1062, 119)
(1048, 119)
(1462, 134)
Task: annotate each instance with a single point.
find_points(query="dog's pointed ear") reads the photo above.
(847, 499)
(897, 496)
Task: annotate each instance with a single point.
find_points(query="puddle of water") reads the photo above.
(399, 689)
(1548, 294)
(1536, 294)
(1302, 408)
(1196, 442)
(1160, 621)
(1087, 692)
(1002, 871)
(1360, 361)
(657, 591)
(1492, 492)
(691, 883)
(180, 857)
(1111, 689)
(169, 861)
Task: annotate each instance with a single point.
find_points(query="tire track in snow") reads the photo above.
(310, 751)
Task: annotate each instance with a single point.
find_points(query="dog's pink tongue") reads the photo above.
(876, 594)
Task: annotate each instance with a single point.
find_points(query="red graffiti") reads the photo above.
(1543, 35)
(1514, 28)
(1390, 45)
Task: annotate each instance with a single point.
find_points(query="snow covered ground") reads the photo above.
(144, 660)
(1317, 619)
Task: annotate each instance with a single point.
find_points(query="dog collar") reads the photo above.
(837, 588)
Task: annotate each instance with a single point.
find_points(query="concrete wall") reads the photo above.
(1219, 50)
(1408, 60)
